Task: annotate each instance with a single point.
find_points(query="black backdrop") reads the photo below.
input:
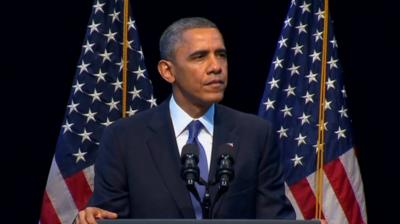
(41, 43)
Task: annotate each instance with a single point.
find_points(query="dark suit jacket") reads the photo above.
(137, 171)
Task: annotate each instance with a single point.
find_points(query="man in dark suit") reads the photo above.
(137, 172)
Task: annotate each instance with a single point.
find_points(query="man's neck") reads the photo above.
(193, 110)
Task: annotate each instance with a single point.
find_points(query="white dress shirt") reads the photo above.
(180, 120)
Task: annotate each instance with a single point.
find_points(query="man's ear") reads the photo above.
(165, 70)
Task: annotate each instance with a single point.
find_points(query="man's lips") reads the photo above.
(215, 82)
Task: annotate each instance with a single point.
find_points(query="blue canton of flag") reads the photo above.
(291, 102)
(95, 103)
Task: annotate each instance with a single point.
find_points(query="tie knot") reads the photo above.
(194, 128)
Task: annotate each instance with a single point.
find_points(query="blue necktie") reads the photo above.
(194, 128)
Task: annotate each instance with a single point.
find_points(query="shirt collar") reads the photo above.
(180, 119)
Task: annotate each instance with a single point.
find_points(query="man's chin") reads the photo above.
(216, 98)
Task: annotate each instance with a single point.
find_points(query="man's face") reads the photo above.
(200, 67)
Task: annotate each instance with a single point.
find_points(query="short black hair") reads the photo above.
(173, 33)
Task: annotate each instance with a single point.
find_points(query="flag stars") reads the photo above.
(327, 105)
(343, 112)
(320, 14)
(318, 147)
(131, 24)
(325, 126)
(131, 111)
(98, 7)
(290, 91)
(117, 85)
(100, 76)
(294, 69)
(72, 106)
(107, 123)
(106, 55)
(78, 87)
(114, 16)
(269, 104)
(120, 65)
(301, 139)
(330, 84)
(305, 7)
(110, 36)
(334, 43)
(282, 42)
(315, 56)
(308, 97)
(312, 77)
(282, 132)
(344, 94)
(297, 160)
(140, 73)
(301, 28)
(274, 83)
(277, 63)
(129, 44)
(93, 27)
(80, 156)
(287, 111)
(332, 63)
(90, 116)
(140, 52)
(317, 35)
(83, 67)
(67, 126)
(135, 93)
(85, 135)
(152, 101)
(304, 118)
(288, 22)
(297, 49)
(88, 47)
(95, 95)
(113, 104)
(340, 133)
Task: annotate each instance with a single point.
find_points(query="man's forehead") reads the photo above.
(199, 34)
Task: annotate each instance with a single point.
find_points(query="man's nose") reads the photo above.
(215, 65)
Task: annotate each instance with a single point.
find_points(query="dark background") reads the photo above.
(41, 42)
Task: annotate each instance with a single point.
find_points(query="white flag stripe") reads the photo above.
(330, 202)
(331, 207)
(350, 163)
(59, 195)
(89, 175)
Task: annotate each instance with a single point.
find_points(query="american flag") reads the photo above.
(291, 103)
(95, 103)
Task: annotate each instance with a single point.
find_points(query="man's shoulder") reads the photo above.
(139, 119)
(241, 117)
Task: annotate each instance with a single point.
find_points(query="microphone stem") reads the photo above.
(207, 206)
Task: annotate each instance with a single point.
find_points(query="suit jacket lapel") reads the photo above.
(224, 132)
(164, 150)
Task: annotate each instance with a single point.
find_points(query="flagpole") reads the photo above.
(125, 56)
(321, 126)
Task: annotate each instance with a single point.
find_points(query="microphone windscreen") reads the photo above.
(190, 149)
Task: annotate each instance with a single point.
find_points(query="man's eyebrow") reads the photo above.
(221, 50)
(204, 52)
(198, 53)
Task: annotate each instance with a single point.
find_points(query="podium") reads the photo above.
(205, 221)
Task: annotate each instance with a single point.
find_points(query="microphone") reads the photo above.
(189, 159)
(225, 172)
